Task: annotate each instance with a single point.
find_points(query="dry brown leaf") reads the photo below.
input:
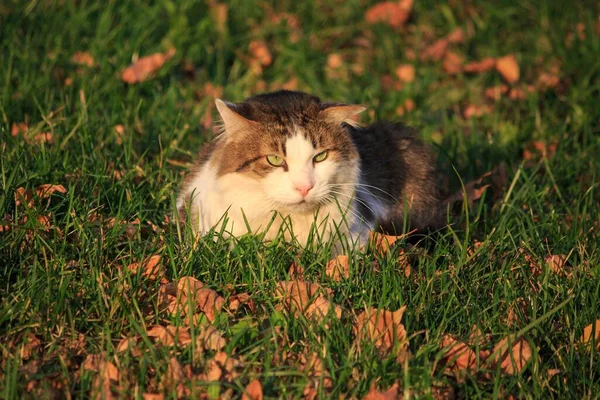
(512, 355)
(210, 338)
(119, 133)
(107, 373)
(406, 73)
(170, 335)
(26, 196)
(473, 110)
(146, 67)
(390, 394)
(443, 393)
(296, 271)
(508, 68)
(473, 190)
(460, 360)
(383, 328)
(589, 336)
(456, 36)
(496, 92)
(237, 300)
(150, 268)
(306, 298)
(557, 263)
(383, 242)
(17, 128)
(392, 13)
(260, 52)
(318, 375)
(22, 128)
(190, 292)
(435, 51)
(338, 268)
(153, 396)
(175, 378)
(474, 67)
(83, 58)
(548, 80)
(334, 61)
(253, 391)
(452, 63)
(29, 346)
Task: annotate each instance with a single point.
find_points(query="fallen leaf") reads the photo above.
(435, 51)
(260, 52)
(306, 298)
(83, 58)
(210, 338)
(170, 335)
(557, 263)
(107, 373)
(452, 63)
(44, 191)
(456, 36)
(338, 268)
(237, 300)
(511, 354)
(317, 373)
(460, 360)
(190, 292)
(175, 379)
(146, 67)
(22, 128)
(508, 68)
(29, 346)
(334, 61)
(548, 80)
(153, 396)
(383, 328)
(496, 92)
(406, 73)
(119, 133)
(383, 242)
(591, 334)
(473, 110)
(474, 67)
(472, 191)
(17, 128)
(296, 271)
(253, 391)
(392, 13)
(150, 268)
(390, 394)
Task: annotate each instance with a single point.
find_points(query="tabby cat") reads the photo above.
(288, 159)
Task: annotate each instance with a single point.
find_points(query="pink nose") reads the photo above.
(303, 190)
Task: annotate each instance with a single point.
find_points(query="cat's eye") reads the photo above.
(322, 156)
(275, 161)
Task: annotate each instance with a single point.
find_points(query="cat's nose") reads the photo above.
(303, 189)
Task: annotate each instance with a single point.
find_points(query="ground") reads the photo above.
(91, 268)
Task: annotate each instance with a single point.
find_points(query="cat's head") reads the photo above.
(292, 146)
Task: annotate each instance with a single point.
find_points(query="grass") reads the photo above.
(67, 286)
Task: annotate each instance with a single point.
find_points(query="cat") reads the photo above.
(287, 159)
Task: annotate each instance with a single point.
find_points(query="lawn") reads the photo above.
(102, 295)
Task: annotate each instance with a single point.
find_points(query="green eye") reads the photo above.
(322, 156)
(275, 161)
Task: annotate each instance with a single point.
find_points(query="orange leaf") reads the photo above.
(170, 335)
(383, 328)
(150, 268)
(260, 52)
(338, 268)
(394, 14)
(512, 355)
(452, 63)
(487, 64)
(146, 67)
(83, 58)
(473, 110)
(460, 359)
(496, 92)
(406, 73)
(390, 394)
(587, 338)
(305, 297)
(508, 68)
(253, 391)
(334, 61)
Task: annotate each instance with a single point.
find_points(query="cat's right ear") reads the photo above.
(232, 121)
(338, 113)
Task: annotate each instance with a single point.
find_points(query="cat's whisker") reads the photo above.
(353, 198)
(368, 186)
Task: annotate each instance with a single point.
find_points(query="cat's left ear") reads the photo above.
(338, 113)
(232, 121)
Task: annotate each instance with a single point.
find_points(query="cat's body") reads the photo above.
(287, 154)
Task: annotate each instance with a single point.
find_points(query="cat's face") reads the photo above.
(296, 155)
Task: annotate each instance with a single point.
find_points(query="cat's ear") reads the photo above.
(338, 113)
(232, 121)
